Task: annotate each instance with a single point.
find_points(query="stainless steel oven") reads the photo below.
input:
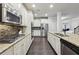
(10, 15)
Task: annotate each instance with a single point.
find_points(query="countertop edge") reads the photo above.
(63, 39)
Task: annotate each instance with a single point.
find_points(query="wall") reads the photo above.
(36, 22)
(52, 22)
(73, 23)
(44, 21)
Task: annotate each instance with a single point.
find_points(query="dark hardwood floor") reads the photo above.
(40, 46)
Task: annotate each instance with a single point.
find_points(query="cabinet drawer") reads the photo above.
(19, 48)
(9, 51)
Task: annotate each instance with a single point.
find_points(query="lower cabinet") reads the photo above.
(55, 43)
(58, 46)
(20, 48)
(9, 51)
(28, 41)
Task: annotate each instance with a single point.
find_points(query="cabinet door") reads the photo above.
(55, 43)
(9, 51)
(25, 45)
(28, 42)
(58, 46)
(50, 38)
(19, 48)
(13, 5)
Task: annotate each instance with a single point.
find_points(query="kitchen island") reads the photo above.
(71, 41)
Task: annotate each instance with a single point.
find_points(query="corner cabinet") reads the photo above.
(55, 43)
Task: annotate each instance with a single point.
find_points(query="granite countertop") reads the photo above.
(72, 38)
(5, 46)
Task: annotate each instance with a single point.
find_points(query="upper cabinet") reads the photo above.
(22, 10)
(17, 9)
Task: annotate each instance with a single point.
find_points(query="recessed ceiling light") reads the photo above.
(51, 6)
(46, 14)
(33, 5)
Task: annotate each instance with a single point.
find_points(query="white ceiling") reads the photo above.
(67, 9)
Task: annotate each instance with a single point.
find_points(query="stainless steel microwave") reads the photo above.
(9, 15)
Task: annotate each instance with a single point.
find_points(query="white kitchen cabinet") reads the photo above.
(22, 47)
(20, 9)
(9, 51)
(48, 37)
(19, 48)
(55, 43)
(58, 46)
(26, 45)
(29, 41)
(51, 40)
(14, 5)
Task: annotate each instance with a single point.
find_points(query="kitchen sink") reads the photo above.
(62, 35)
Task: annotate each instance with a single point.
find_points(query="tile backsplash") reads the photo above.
(7, 30)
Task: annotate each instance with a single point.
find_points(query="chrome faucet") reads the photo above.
(66, 29)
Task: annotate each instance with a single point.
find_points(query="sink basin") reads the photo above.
(61, 35)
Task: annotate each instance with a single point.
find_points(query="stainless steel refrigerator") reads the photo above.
(41, 31)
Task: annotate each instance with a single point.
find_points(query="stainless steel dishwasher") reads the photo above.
(68, 48)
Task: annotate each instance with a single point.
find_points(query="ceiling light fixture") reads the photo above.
(33, 5)
(51, 6)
